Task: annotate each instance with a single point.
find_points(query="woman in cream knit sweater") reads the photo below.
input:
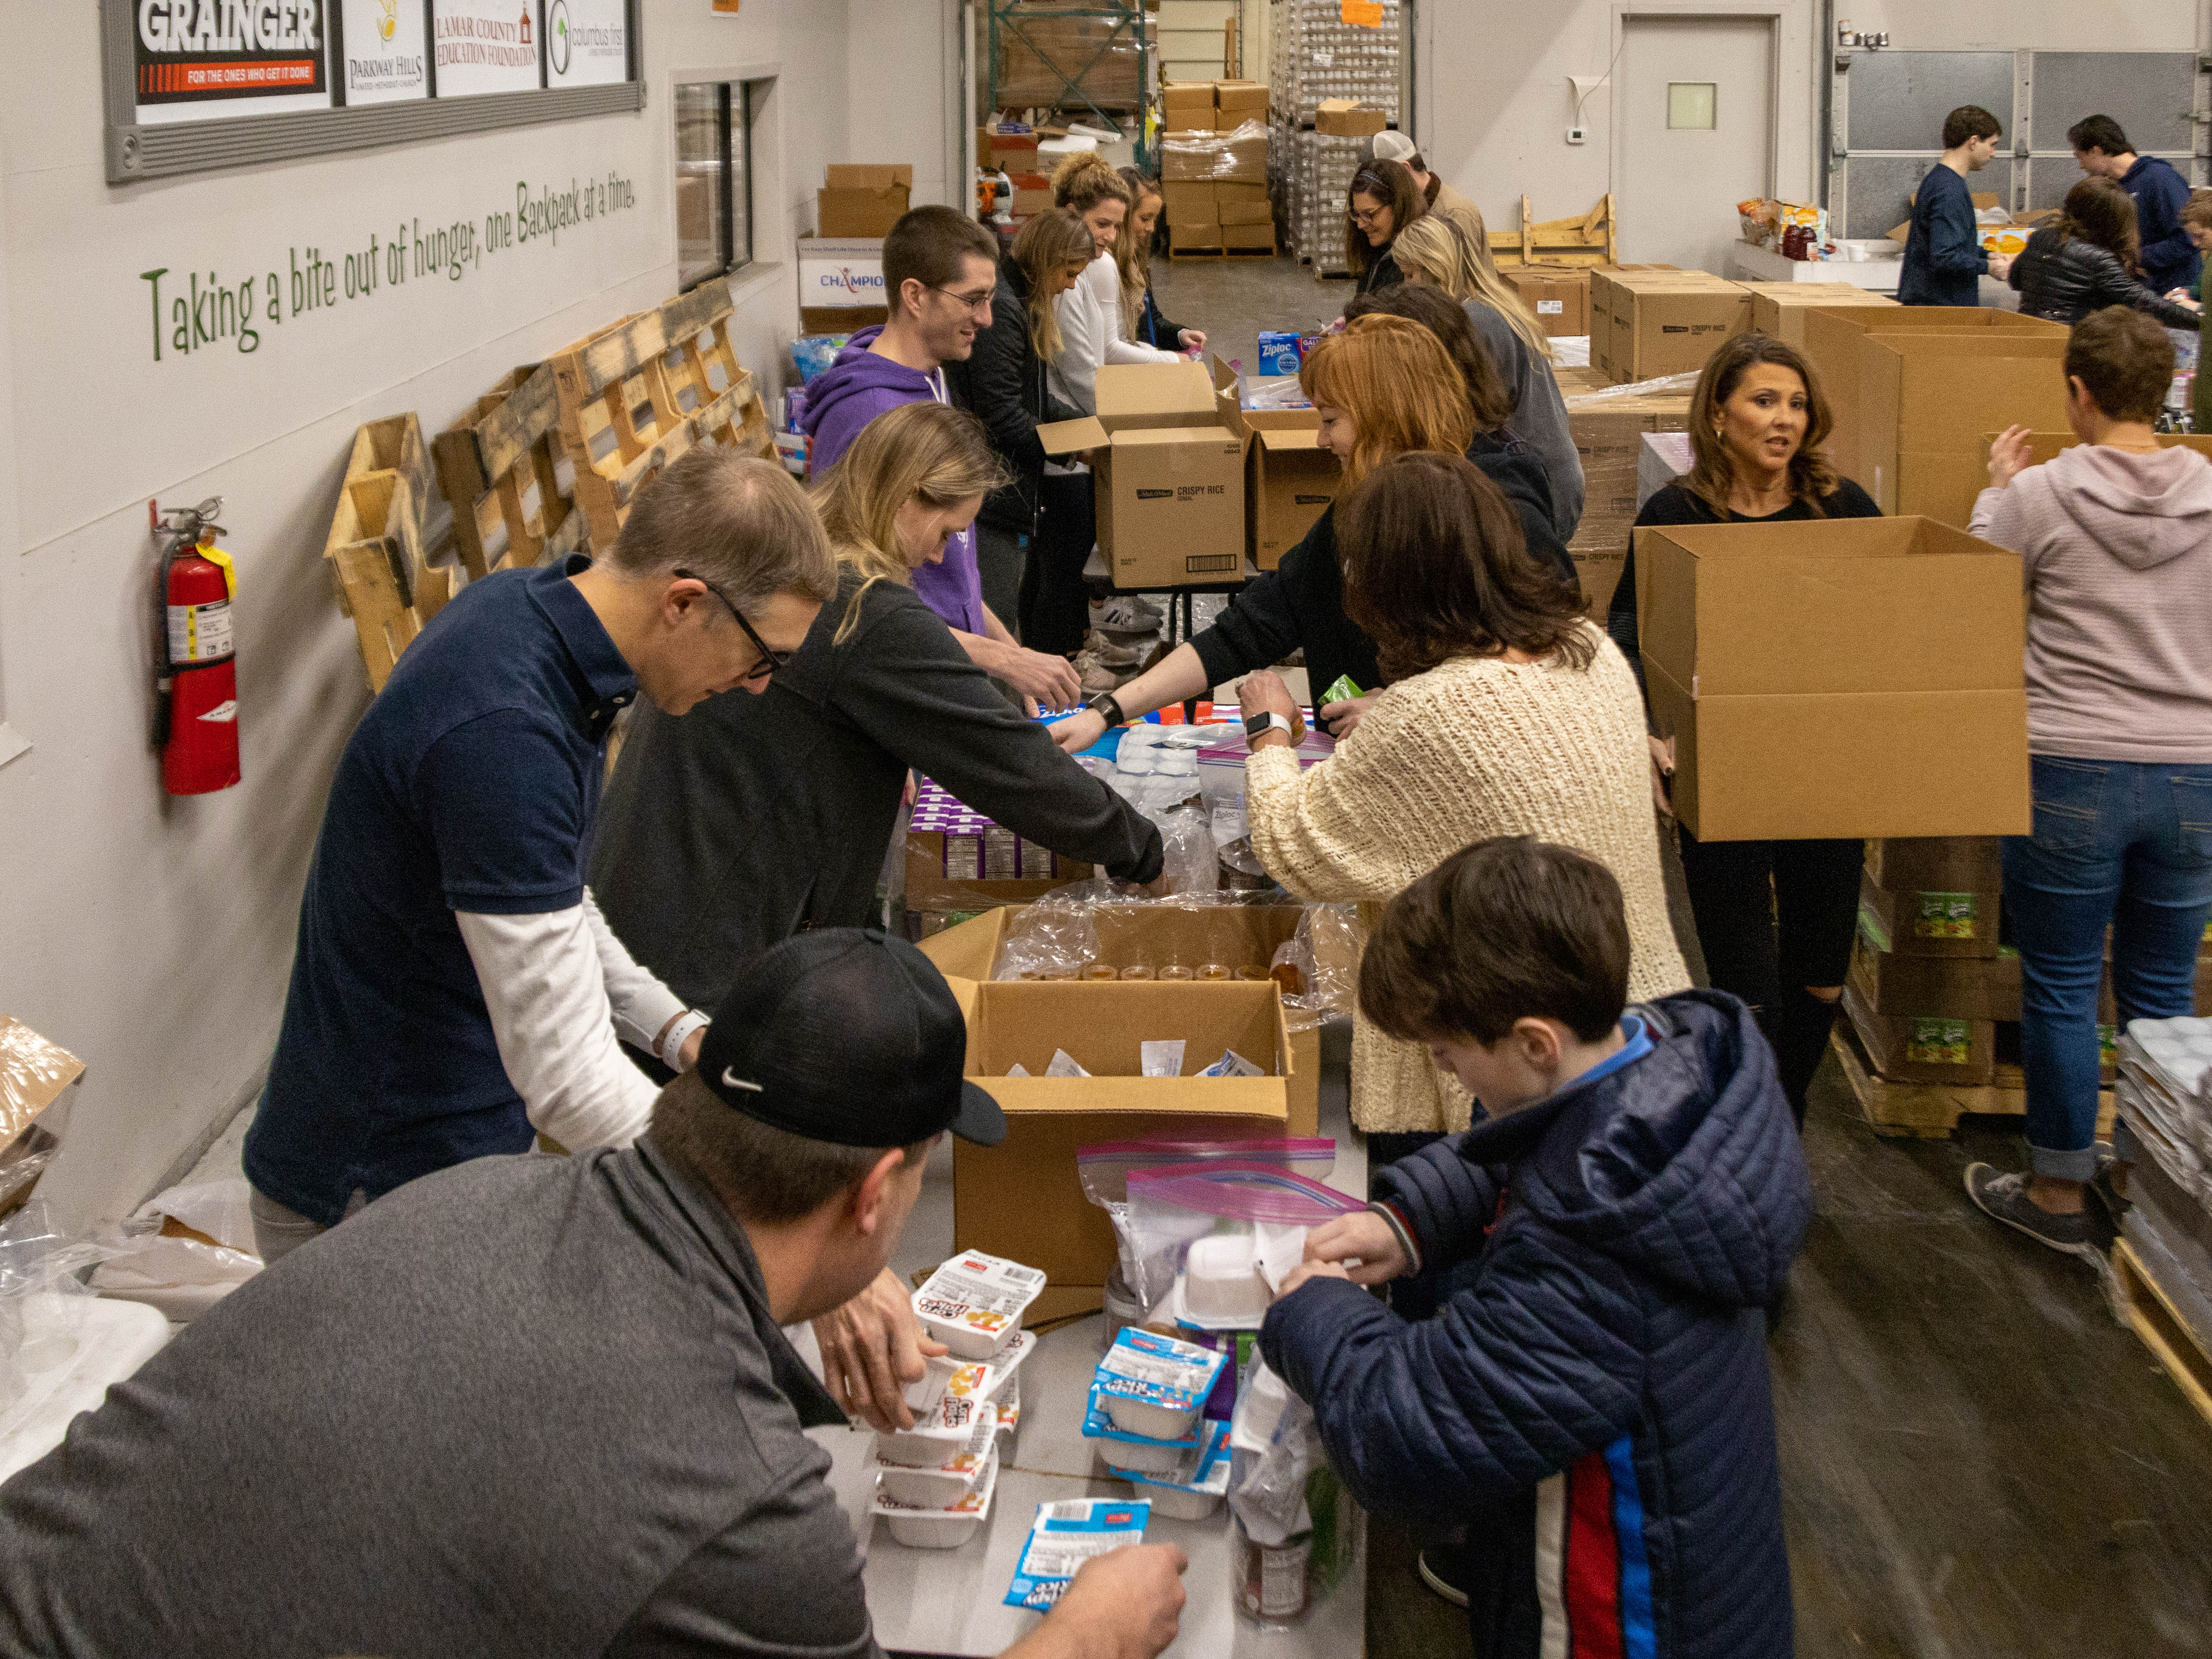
(1507, 714)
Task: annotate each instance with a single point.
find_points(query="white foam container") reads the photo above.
(1151, 1420)
(1145, 1457)
(969, 1379)
(929, 1489)
(973, 1303)
(1144, 1360)
(935, 1438)
(1180, 1503)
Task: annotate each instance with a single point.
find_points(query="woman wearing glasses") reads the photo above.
(1384, 200)
(760, 817)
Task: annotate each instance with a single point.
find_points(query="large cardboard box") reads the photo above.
(1914, 389)
(1960, 988)
(1135, 396)
(1291, 482)
(1941, 864)
(1186, 105)
(1239, 203)
(863, 201)
(841, 274)
(1922, 1048)
(1665, 322)
(1347, 118)
(1608, 430)
(1248, 235)
(1917, 921)
(1557, 296)
(1780, 308)
(1239, 102)
(1198, 157)
(1842, 678)
(1191, 206)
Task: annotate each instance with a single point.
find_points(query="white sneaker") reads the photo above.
(1112, 652)
(1126, 614)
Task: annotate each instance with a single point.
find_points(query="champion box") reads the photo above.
(1846, 677)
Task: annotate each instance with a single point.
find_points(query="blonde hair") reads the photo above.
(1133, 254)
(925, 451)
(1399, 385)
(1452, 251)
(1085, 180)
(1051, 240)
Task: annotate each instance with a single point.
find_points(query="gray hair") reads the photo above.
(765, 1175)
(737, 521)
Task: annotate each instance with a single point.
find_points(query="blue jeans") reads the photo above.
(2121, 843)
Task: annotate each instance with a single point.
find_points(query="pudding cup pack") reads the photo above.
(941, 1485)
(1066, 1534)
(969, 1379)
(973, 1303)
(1196, 1487)
(925, 1528)
(1153, 1385)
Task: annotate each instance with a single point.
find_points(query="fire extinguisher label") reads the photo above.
(224, 711)
(199, 633)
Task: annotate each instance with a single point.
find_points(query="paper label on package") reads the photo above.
(1943, 915)
(1065, 1535)
(1939, 1042)
(984, 1293)
(1143, 1366)
(1231, 1063)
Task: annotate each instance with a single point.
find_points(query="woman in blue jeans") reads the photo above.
(2115, 536)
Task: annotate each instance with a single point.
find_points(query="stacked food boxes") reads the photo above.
(1324, 50)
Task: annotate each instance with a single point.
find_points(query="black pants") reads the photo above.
(1055, 606)
(1774, 917)
(1001, 558)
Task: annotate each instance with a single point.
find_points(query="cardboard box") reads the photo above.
(1780, 308)
(1665, 322)
(1914, 389)
(1960, 987)
(1922, 1048)
(1171, 507)
(1608, 435)
(1347, 118)
(1943, 864)
(1557, 296)
(1854, 676)
(1186, 105)
(1930, 922)
(1022, 1198)
(1132, 396)
(1191, 206)
(1014, 152)
(1195, 157)
(863, 201)
(1291, 482)
(1237, 204)
(1183, 236)
(841, 274)
(1259, 235)
(35, 1076)
(1239, 102)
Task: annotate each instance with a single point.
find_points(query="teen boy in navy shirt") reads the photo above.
(1592, 1401)
(1944, 261)
(2168, 254)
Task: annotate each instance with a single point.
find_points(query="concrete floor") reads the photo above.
(1978, 1460)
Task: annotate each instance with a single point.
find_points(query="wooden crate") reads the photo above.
(377, 551)
(500, 470)
(1588, 240)
(1930, 1110)
(2185, 1353)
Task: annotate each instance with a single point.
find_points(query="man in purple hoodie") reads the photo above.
(940, 269)
(2115, 539)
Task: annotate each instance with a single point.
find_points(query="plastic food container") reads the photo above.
(945, 1528)
(1153, 1385)
(1195, 1488)
(973, 1303)
(937, 1437)
(1222, 1279)
(1122, 1451)
(950, 1377)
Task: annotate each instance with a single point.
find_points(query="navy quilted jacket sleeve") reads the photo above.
(1448, 1201)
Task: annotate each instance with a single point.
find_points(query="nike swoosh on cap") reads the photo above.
(731, 1081)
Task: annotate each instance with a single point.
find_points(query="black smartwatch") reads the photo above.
(1107, 708)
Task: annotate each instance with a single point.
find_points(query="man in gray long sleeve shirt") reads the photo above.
(539, 1407)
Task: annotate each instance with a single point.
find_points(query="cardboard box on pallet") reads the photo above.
(1248, 236)
(1930, 921)
(1236, 204)
(1663, 322)
(1938, 864)
(1186, 105)
(1238, 101)
(863, 201)
(1780, 308)
(1557, 296)
(1347, 118)
(1922, 1048)
(1191, 206)
(1847, 678)
(1239, 153)
(1914, 389)
(1608, 435)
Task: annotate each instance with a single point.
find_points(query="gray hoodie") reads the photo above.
(2116, 552)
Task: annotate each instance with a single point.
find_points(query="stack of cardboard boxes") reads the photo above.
(1213, 165)
(1557, 296)
(1649, 322)
(1780, 308)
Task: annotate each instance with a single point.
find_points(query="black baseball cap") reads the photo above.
(847, 1036)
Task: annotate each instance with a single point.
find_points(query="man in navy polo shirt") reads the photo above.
(455, 992)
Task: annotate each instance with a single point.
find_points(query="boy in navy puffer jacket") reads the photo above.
(1592, 1405)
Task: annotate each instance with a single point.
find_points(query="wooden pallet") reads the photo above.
(1929, 1110)
(2185, 1353)
(1589, 241)
(1205, 250)
(501, 468)
(640, 393)
(376, 550)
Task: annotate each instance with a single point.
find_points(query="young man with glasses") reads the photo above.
(940, 269)
(455, 991)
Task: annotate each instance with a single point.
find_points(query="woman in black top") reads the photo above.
(755, 817)
(2087, 260)
(1383, 200)
(1775, 917)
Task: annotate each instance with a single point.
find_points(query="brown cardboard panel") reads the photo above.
(1925, 1048)
(1262, 235)
(1240, 101)
(1136, 396)
(1347, 118)
(1608, 438)
(1780, 308)
(1923, 923)
(1556, 296)
(1066, 437)
(1599, 574)
(860, 212)
(1189, 205)
(1672, 330)
(1960, 988)
(1951, 863)
(1171, 502)
(870, 175)
(839, 320)
(1243, 204)
(1293, 482)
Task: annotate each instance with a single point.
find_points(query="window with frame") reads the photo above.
(714, 180)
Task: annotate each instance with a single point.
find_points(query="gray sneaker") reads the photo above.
(2004, 1198)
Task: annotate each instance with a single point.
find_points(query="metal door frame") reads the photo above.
(1676, 11)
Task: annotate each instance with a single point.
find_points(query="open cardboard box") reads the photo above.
(1845, 678)
(1780, 308)
(35, 1076)
(1289, 479)
(1608, 432)
(865, 200)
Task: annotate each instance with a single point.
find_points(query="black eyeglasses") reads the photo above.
(769, 660)
(973, 306)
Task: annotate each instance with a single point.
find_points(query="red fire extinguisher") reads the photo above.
(197, 726)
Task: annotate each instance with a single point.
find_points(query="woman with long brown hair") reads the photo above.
(1382, 387)
(1141, 321)
(1505, 713)
(2091, 258)
(1775, 917)
(1382, 202)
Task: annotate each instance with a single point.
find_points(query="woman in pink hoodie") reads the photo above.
(2115, 536)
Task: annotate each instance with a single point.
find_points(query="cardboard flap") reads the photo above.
(968, 950)
(1274, 438)
(873, 175)
(1132, 395)
(1183, 1096)
(1066, 437)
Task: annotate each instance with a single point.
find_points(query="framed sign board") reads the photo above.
(194, 85)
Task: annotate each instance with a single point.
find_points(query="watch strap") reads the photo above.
(1109, 706)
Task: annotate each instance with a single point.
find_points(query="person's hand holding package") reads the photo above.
(872, 1348)
(1125, 1604)
(1359, 1247)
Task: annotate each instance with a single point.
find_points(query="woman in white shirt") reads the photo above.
(1089, 313)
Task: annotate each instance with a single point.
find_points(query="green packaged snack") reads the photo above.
(1342, 690)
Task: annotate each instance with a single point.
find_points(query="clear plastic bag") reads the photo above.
(1171, 1207)
(186, 1268)
(1297, 1531)
(1191, 864)
(35, 1257)
(1105, 1169)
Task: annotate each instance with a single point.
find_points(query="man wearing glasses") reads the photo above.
(940, 269)
(455, 991)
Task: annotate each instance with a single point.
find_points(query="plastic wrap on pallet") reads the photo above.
(1042, 47)
(1197, 158)
(2177, 1262)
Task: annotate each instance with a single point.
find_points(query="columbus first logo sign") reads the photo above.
(201, 51)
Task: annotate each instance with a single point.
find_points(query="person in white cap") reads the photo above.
(1441, 197)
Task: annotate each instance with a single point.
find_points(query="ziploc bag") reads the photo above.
(1171, 1207)
(1066, 1534)
(1105, 1169)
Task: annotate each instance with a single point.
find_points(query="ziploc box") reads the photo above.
(1278, 351)
(1837, 678)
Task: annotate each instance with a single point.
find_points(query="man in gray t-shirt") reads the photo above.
(542, 1406)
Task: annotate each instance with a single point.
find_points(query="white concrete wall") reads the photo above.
(153, 937)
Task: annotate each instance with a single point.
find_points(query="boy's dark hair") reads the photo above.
(1445, 318)
(1504, 930)
(1969, 121)
(2124, 359)
(927, 245)
(2099, 132)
